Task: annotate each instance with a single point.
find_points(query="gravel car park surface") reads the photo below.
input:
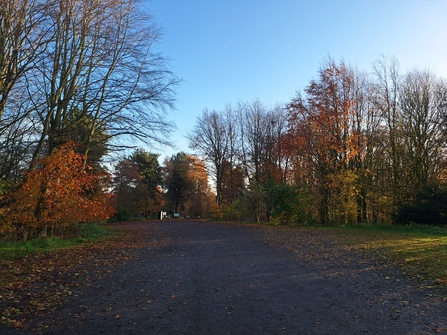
(196, 277)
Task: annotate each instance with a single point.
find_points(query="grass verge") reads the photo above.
(420, 251)
(85, 232)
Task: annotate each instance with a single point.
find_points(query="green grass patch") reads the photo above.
(421, 251)
(81, 234)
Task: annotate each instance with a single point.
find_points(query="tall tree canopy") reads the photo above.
(74, 64)
(84, 72)
(137, 180)
(186, 185)
(351, 147)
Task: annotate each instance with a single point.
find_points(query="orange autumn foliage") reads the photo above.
(57, 192)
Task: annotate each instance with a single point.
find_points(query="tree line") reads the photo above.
(352, 147)
(145, 189)
(79, 79)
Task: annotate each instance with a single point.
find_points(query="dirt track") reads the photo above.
(202, 278)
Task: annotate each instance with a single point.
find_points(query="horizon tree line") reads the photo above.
(80, 78)
(352, 147)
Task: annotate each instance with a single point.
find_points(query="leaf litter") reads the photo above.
(35, 286)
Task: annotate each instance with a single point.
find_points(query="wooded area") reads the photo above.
(352, 147)
(84, 72)
(80, 78)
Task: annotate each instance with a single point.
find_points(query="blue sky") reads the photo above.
(237, 50)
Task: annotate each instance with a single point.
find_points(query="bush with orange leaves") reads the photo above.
(58, 192)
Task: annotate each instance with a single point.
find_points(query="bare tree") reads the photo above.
(387, 86)
(423, 139)
(211, 138)
(254, 131)
(22, 39)
(233, 152)
(101, 61)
